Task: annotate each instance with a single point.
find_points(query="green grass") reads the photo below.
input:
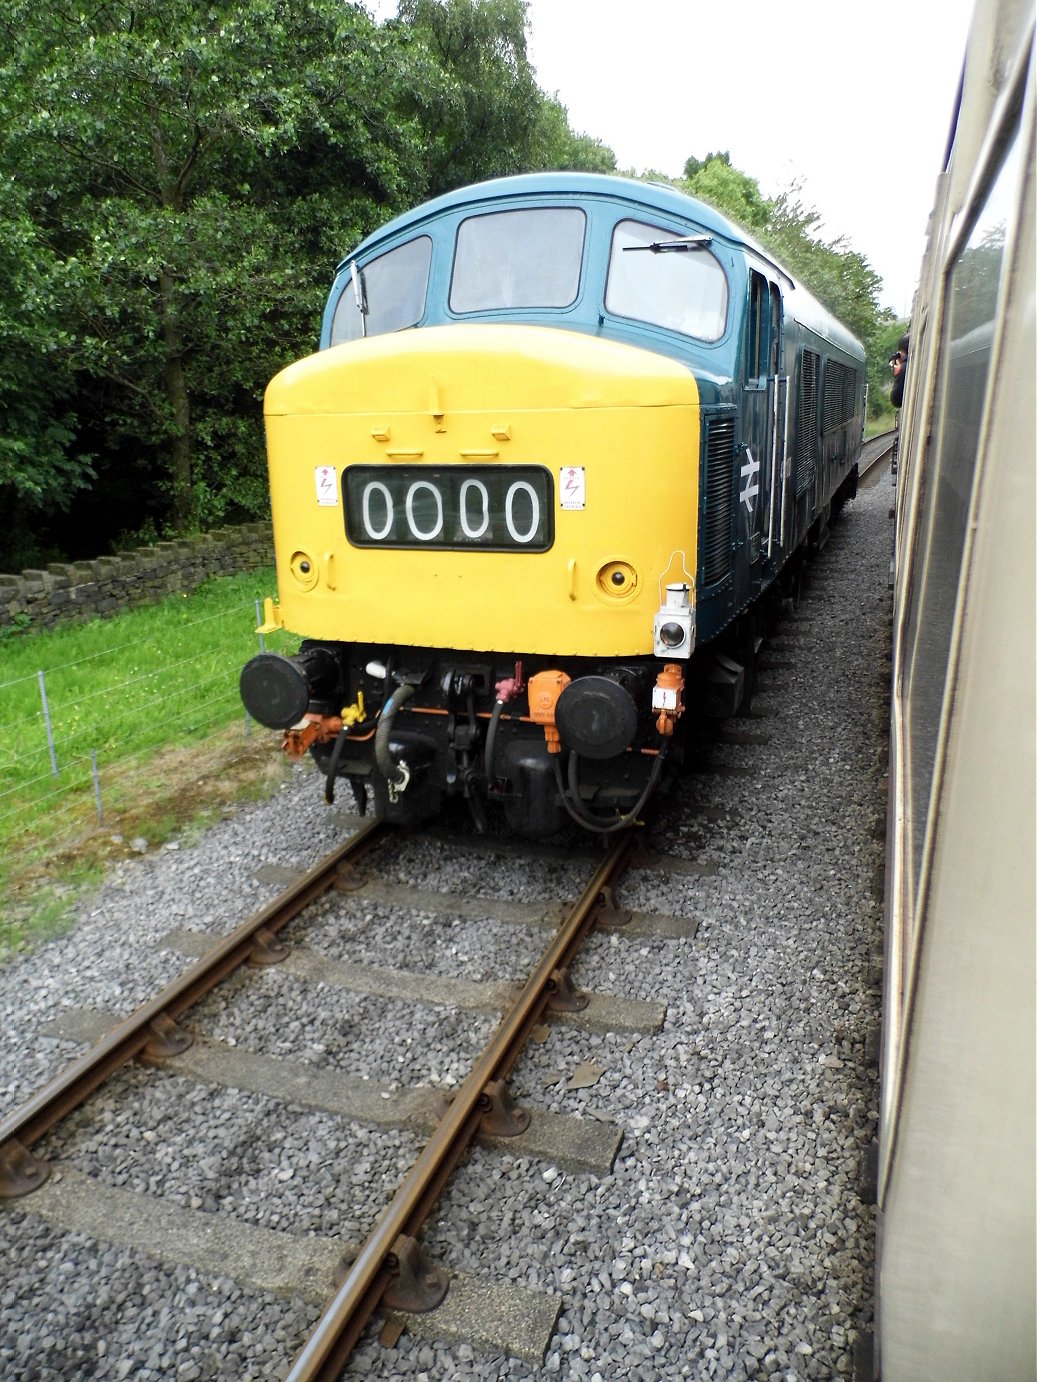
(884, 422)
(144, 706)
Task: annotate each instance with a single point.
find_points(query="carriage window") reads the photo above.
(685, 290)
(391, 292)
(524, 258)
(974, 285)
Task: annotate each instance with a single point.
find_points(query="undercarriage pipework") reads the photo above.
(422, 726)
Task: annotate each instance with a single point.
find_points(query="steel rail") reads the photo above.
(879, 448)
(20, 1129)
(328, 1348)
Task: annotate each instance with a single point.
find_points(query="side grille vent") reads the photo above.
(719, 485)
(807, 436)
(840, 394)
(849, 394)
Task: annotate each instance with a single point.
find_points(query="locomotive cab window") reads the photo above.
(529, 257)
(764, 342)
(387, 294)
(677, 282)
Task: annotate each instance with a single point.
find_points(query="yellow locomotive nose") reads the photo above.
(482, 487)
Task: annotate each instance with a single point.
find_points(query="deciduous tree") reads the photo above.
(837, 275)
(40, 472)
(178, 182)
(153, 140)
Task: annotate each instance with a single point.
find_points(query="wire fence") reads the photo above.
(86, 742)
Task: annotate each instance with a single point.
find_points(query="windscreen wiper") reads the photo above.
(679, 244)
(359, 292)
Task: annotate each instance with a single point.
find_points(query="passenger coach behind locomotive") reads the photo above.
(504, 535)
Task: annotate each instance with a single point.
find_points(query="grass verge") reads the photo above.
(884, 422)
(145, 716)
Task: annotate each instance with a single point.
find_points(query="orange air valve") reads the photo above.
(668, 697)
(544, 690)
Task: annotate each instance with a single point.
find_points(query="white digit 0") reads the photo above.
(420, 485)
(368, 526)
(509, 512)
(469, 531)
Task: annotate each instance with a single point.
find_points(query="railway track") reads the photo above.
(875, 451)
(388, 1270)
(390, 953)
(152, 1031)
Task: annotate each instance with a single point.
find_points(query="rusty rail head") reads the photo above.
(329, 1346)
(57, 1099)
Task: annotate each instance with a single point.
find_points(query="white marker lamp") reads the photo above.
(674, 629)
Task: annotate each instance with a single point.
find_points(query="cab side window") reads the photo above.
(764, 339)
(387, 294)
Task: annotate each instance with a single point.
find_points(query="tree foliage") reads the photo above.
(179, 181)
(715, 181)
(480, 106)
(38, 471)
(481, 112)
(555, 145)
(160, 134)
(837, 275)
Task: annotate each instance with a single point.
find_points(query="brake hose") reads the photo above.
(588, 821)
(391, 771)
(491, 742)
(336, 753)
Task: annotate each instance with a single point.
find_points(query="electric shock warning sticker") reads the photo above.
(572, 487)
(327, 485)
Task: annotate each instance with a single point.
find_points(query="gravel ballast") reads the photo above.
(730, 1240)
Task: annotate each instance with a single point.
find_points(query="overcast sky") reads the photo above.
(853, 101)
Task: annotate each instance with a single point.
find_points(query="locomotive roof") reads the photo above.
(660, 197)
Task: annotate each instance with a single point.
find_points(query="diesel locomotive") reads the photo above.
(562, 434)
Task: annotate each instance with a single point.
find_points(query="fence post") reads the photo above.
(259, 625)
(50, 727)
(97, 783)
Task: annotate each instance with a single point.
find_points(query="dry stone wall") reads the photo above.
(93, 589)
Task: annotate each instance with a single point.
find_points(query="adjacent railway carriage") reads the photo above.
(562, 433)
(957, 1276)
